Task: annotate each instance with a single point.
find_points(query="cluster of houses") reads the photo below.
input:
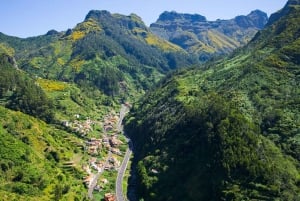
(109, 142)
(94, 146)
(110, 122)
(97, 165)
(81, 127)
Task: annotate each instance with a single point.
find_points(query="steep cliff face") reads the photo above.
(208, 38)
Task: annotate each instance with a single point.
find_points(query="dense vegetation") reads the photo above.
(19, 92)
(230, 130)
(206, 38)
(32, 160)
(110, 52)
(32, 152)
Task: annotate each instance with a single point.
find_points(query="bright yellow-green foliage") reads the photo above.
(201, 47)
(62, 51)
(60, 61)
(85, 27)
(51, 85)
(5, 196)
(151, 39)
(4, 48)
(76, 35)
(32, 157)
(197, 46)
(221, 41)
(76, 64)
(89, 25)
(36, 62)
(217, 41)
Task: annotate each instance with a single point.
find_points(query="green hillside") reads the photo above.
(32, 152)
(111, 52)
(228, 130)
(57, 89)
(225, 130)
(207, 39)
(32, 160)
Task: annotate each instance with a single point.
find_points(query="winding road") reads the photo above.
(121, 172)
(96, 177)
(93, 183)
(122, 169)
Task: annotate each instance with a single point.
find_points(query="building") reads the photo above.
(109, 197)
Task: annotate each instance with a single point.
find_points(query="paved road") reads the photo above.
(96, 177)
(121, 172)
(123, 111)
(122, 169)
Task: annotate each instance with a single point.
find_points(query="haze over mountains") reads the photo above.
(203, 128)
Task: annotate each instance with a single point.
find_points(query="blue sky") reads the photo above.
(24, 18)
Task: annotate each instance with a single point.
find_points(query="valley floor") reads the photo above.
(105, 153)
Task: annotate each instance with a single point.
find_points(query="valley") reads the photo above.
(185, 109)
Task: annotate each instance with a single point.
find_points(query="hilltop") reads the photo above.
(111, 52)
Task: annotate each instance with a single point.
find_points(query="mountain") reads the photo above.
(55, 91)
(111, 52)
(19, 92)
(228, 130)
(33, 153)
(197, 35)
(226, 119)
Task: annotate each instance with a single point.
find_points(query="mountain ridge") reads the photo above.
(235, 120)
(205, 38)
(228, 130)
(121, 44)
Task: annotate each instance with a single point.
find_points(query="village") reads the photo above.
(103, 151)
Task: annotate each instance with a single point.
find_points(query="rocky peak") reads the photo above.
(259, 18)
(256, 19)
(196, 35)
(97, 14)
(107, 18)
(284, 11)
(52, 32)
(174, 16)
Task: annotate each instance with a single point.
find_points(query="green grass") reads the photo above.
(32, 155)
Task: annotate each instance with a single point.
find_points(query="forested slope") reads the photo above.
(33, 154)
(111, 52)
(229, 130)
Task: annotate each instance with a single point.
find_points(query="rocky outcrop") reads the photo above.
(208, 38)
